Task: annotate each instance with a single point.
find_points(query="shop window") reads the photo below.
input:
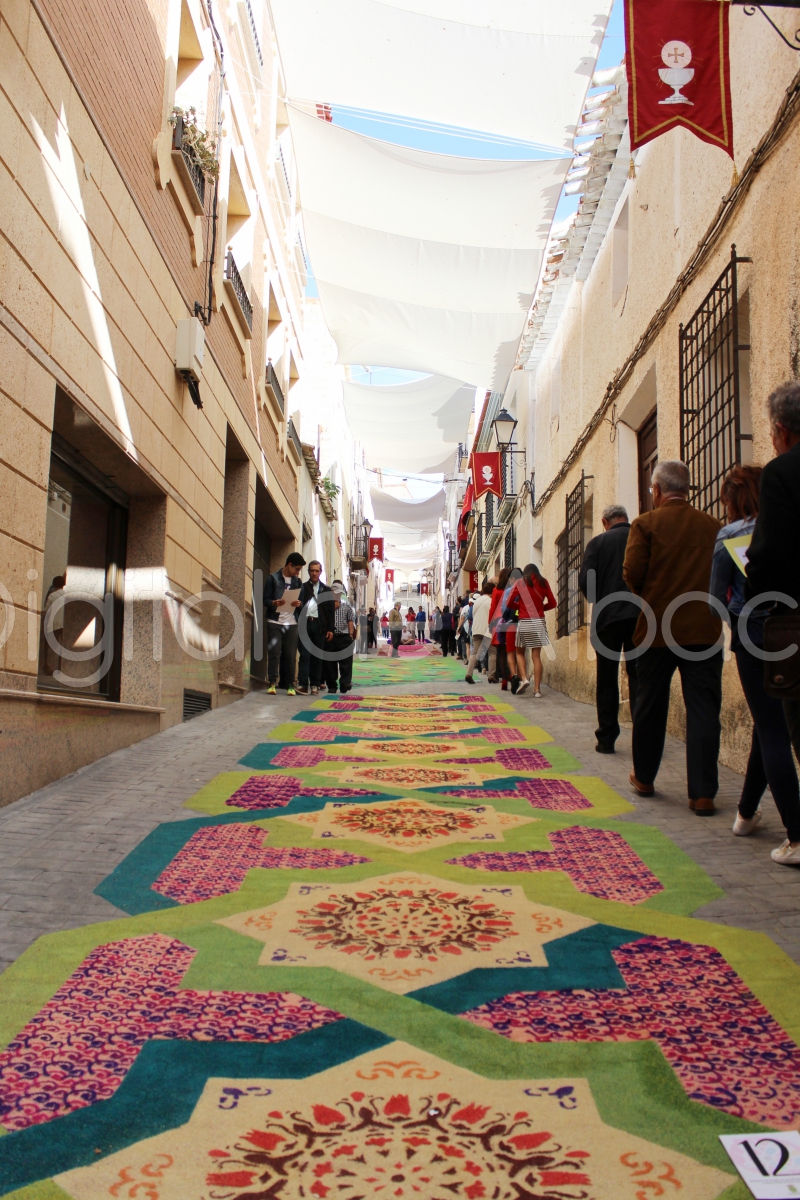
(83, 576)
(647, 441)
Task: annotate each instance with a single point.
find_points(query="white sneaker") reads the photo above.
(523, 687)
(787, 855)
(537, 695)
(742, 827)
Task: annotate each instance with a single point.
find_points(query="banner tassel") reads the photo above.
(734, 176)
(632, 169)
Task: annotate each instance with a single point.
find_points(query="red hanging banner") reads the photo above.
(473, 581)
(486, 473)
(388, 575)
(376, 548)
(678, 67)
(423, 589)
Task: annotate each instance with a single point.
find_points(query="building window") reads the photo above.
(569, 554)
(509, 548)
(712, 436)
(83, 577)
(647, 439)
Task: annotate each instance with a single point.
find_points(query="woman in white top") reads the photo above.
(480, 625)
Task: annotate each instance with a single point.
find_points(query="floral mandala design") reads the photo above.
(419, 922)
(407, 819)
(413, 749)
(434, 1148)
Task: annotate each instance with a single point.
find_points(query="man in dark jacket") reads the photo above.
(315, 620)
(281, 615)
(613, 626)
(773, 564)
(668, 558)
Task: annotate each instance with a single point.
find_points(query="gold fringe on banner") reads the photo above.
(734, 176)
(632, 169)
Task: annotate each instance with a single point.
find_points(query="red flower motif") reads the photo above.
(321, 1169)
(419, 1141)
(264, 1141)
(328, 1116)
(475, 1190)
(551, 1178)
(397, 1106)
(530, 1141)
(319, 1189)
(471, 1114)
(232, 1179)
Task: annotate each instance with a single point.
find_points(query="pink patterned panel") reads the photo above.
(598, 861)
(276, 791)
(299, 756)
(215, 861)
(313, 733)
(556, 794)
(78, 1048)
(722, 1043)
(523, 760)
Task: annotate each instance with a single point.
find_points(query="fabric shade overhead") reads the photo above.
(410, 426)
(422, 515)
(516, 68)
(425, 262)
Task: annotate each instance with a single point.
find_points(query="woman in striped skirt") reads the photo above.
(529, 601)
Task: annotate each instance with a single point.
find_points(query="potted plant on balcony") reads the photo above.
(194, 151)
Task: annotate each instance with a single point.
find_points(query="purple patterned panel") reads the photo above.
(722, 1043)
(78, 1048)
(215, 861)
(598, 861)
(557, 794)
(313, 733)
(276, 791)
(523, 759)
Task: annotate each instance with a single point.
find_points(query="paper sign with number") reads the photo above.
(769, 1163)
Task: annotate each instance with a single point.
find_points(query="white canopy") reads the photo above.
(421, 515)
(410, 426)
(518, 68)
(423, 261)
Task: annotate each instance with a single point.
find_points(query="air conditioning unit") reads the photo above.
(190, 343)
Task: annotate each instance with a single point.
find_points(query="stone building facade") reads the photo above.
(598, 393)
(130, 515)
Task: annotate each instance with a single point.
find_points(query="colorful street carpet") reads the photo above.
(407, 949)
(414, 665)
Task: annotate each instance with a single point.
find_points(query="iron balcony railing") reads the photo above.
(283, 168)
(193, 170)
(234, 281)
(358, 546)
(291, 433)
(254, 32)
(274, 386)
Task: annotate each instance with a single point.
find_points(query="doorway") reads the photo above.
(647, 439)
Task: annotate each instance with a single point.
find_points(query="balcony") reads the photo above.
(483, 561)
(238, 294)
(293, 441)
(254, 48)
(188, 168)
(358, 549)
(274, 389)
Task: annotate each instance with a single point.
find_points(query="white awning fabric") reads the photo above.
(410, 426)
(518, 68)
(425, 262)
(421, 515)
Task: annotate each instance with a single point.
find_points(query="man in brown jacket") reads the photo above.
(668, 558)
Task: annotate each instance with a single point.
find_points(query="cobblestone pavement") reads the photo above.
(57, 844)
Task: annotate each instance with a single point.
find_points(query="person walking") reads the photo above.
(773, 565)
(395, 628)
(448, 632)
(436, 630)
(421, 618)
(480, 627)
(339, 670)
(385, 626)
(613, 627)
(312, 630)
(529, 600)
(498, 667)
(281, 621)
(411, 624)
(668, 558)
(371, 639)
(464, 629)
(770, 762)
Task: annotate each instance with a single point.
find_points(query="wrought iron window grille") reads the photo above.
(569, 554)
(710, 394)
(509, 547)
(273, 384)
(194, 171)
(292, 434)
(479, 534)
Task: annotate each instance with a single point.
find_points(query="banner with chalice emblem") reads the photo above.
(678, 68)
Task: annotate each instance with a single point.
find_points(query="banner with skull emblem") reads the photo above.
(486, 473)
(678, 67)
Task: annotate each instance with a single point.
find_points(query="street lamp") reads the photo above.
(367, 524)
(504, 425)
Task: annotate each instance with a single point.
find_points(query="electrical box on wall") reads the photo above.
(190, 344)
